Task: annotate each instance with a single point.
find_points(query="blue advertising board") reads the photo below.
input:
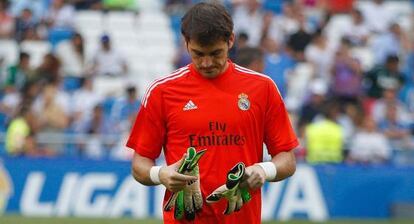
(66, 187)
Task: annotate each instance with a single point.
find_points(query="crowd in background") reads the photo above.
(345, 106)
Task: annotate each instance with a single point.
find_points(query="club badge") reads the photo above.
(244, 103)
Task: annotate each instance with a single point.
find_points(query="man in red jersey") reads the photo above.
(216, 105)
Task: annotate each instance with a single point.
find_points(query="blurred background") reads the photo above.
(72, 74)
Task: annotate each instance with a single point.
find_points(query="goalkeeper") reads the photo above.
(220, 106)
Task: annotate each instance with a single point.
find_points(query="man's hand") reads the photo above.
(172, 179)
(254, 177)
(187, 198)
(235, 194)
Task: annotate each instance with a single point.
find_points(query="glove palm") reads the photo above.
(235, 195)
(189, 200)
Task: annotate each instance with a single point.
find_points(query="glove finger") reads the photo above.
(245, 195)
(179, 206)
(170, 203)
(198, 201)
(188, 204)
(217, 194)
(231, 205)
(239, 201)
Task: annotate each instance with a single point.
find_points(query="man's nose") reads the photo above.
(206, 62)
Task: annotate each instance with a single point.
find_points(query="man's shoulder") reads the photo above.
(171, 78)
(158, 85)
(251, 75)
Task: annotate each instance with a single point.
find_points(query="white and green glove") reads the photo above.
(189, 200)
(235, 195)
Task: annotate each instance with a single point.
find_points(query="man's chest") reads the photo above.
(212, 110)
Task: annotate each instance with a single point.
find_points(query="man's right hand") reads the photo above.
(173, 180)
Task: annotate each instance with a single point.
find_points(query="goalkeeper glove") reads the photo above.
(235, 195)
(189, 200)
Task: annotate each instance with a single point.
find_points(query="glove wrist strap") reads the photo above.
(269, 169)
(154, 174)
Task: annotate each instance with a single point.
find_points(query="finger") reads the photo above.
(231, 205)
(183, 177)
(188, 205)
(177, 164)
(239, 201)
(179, 206)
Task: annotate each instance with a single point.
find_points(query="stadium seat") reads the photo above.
(89, 19)
(109, 86)
(120, 21)
(36, 49)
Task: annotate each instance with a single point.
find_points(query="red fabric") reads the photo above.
(216, 123)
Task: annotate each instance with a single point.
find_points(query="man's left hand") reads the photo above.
(254, 177)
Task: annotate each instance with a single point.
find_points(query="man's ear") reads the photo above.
(186, 46)
(231, 40)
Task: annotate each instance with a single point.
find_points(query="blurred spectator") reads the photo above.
(60, 15)
(283, 25)
(49, 70)
(37, 7)
(278, 64)
(393, 42)
(383, 77)
(87, 4)
(17, 75)
(298, 41)
(325, 137)
(377, 15)
(6, 21)
(357, 32)
(346, 75)
(321, 55)
(72, 55)
(396, 130)
(108, 61)
(26, 26)
(339, 6)
(16, 78)
(83, 102)
(119, 4)
(251, 58)
(124, 110)
(98, 126)
(20, 136)
(389, 98)
(51, 109)
(369, 145)
(181, 57)
(313, 107)
(248, 18)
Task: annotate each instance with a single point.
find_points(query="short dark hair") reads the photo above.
(23, 55)
(207, 23)
(247, 55)
(392, 58)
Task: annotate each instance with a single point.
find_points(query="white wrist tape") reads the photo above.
(269, 169)
(154, 174)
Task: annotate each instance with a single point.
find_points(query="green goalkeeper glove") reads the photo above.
(189, 200)
(235, 195)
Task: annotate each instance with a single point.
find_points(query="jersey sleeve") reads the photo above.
(148, 133)
(279, 134)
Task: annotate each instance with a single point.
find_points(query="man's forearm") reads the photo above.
(285, 163)
(141, 167)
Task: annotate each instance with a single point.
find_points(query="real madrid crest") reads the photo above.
(243, 103)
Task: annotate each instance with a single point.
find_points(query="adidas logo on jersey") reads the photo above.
(190, 106)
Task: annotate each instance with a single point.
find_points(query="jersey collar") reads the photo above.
(221, 76)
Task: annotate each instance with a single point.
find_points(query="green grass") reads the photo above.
(30, 220)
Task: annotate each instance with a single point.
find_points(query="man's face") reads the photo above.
(211, 60)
